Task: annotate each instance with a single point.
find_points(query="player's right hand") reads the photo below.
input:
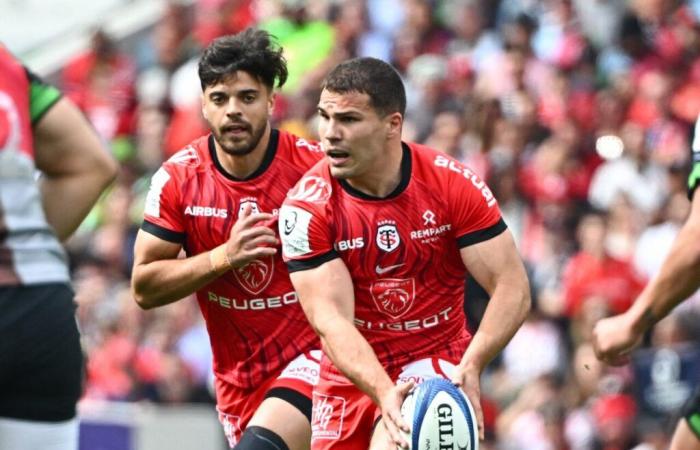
(250, 239)
(390, 405)
(614, 338)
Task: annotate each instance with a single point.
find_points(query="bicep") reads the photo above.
(325, 292)
(65, 143)
(493, 260)
(149, 248)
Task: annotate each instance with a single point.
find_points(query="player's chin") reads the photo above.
(341, 172)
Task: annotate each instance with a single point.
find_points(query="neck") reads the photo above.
(384, 176)
(242, 166)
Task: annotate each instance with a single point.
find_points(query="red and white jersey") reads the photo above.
(402, 251)
(256, 326)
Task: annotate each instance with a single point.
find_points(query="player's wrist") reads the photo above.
(219, 260)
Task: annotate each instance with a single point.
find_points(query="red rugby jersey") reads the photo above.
(402, 251)
(255, 323)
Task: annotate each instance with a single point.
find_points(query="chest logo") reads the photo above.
(388, 238)
(256, 275)
(428, 218)
(248, 201)
(393, 296)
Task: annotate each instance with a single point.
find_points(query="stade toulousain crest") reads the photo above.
(393, 296)
(388, 238)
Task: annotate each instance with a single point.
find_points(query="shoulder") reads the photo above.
(300, 151)
(314, 188)
(189, 158)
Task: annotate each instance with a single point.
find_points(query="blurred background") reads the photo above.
(578, 113)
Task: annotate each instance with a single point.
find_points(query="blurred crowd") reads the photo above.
(579, 113)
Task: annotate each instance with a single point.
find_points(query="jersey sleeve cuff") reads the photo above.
(311, 263)
(482, 235)
(163, 233)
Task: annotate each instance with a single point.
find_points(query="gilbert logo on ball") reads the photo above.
(440, 416)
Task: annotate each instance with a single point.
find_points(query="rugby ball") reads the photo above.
(440, 417)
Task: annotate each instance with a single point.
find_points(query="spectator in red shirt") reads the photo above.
(593, 272)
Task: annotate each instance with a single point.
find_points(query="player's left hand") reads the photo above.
(390, 404)
(467, 377)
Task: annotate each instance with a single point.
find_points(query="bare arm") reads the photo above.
(496, 265)
(159, 277)
(679, 277)
(76, 167)
(329, 305)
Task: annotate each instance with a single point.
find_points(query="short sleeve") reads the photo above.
(306, 236)
(162, 214)
(42, 96)
(476, 216)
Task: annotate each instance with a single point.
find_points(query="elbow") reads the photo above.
(144, 301)
(108, 169)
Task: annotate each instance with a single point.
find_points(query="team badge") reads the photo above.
(388, 238)
(256, 275)
(252, 201)
(393, 296)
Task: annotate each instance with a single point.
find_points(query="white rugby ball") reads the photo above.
(440, 416)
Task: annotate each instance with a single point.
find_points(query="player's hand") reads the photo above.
(390, 405)
(468, 379)
(250, 239)
(614, 338)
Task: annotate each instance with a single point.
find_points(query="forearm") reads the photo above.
(165, 281)
(354, 357)
(506, 311)
(678, 278)
(68, 199)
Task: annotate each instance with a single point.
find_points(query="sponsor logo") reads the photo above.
(256, 275)
(429, 218)
(382, 270)
(232, 427)
(158, 181)
(393, 296)
(303, 143)
(253, 304)
(327, 416)
(294, 231)
(430, 232)
(445, 427)
(184, 157)
(311, 189)
(451, 164)
(406, 325)
(206, 211)
(249, 201)
(388, 238)
(349, 244)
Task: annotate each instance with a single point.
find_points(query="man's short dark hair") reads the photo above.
(253, 51)
(373, 77)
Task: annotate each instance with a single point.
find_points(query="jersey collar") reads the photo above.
(270, 152)
(405, 178)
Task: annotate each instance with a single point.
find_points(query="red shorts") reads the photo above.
(344, 417)
(236, 406)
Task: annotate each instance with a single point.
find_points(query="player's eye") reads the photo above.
(218, 100)
(249, 98)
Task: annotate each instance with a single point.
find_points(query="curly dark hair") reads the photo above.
(370, 76)
(253, 51)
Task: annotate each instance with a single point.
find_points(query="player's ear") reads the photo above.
(271, 98)
(394, 123)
